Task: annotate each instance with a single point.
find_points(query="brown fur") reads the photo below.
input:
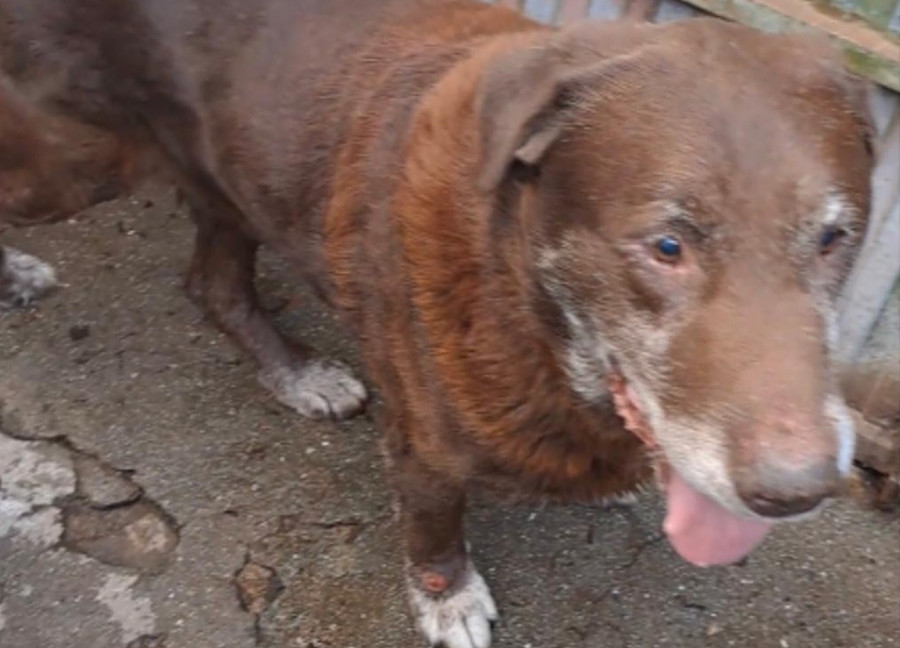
(414, 160)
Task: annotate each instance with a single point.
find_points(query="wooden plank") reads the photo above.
(866, 50)
(854, 31)
(877, 448)
(876, 13)
(873, 391)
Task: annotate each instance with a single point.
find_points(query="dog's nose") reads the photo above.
(782, 491)
(779, 507)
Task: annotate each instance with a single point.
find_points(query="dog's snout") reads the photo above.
(783, 491)
(785, 464)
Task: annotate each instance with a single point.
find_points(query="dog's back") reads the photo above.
(278, 80)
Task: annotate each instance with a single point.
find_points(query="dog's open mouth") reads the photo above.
(702, 531)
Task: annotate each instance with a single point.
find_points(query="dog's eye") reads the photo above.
(668, 249)
(829, 240)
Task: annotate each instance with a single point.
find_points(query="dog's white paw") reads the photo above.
(460, 618)
(317, 389)
(23, 278)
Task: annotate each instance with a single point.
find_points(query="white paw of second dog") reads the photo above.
(23, 278)
(459, 619)
(317, 390)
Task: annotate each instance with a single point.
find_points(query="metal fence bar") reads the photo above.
(541, 10)
(878, 268)
(607, 9)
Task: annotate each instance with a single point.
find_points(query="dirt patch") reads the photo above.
(257, 586)
(139, 535)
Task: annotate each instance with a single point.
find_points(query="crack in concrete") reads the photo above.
(257, 586)
(56, 495)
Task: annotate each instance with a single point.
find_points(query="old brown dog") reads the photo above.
(541, 238)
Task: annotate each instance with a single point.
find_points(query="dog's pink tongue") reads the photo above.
(704, 533)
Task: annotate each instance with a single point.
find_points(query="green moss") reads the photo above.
(875, 12)
(878, 68)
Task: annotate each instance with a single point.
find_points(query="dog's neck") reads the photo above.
(500, 369)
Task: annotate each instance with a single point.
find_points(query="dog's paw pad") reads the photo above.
(23, 278)
(460, 618)
(317, 390)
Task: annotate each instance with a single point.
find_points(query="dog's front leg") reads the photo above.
(221, 279)
(450, 600)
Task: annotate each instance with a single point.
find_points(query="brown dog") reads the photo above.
(541, 238)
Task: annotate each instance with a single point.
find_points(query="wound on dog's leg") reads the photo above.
(434, 582)
(23, 278)
(460, 617)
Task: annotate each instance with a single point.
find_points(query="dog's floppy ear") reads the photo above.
(860, 92)
(520, 105)
(525, 100)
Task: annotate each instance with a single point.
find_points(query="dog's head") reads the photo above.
(693, 197)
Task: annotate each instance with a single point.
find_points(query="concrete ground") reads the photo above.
(153, 496)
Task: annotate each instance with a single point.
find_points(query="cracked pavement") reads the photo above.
(152, 495)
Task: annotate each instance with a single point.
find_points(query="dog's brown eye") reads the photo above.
(830, 239)
(668, 249)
